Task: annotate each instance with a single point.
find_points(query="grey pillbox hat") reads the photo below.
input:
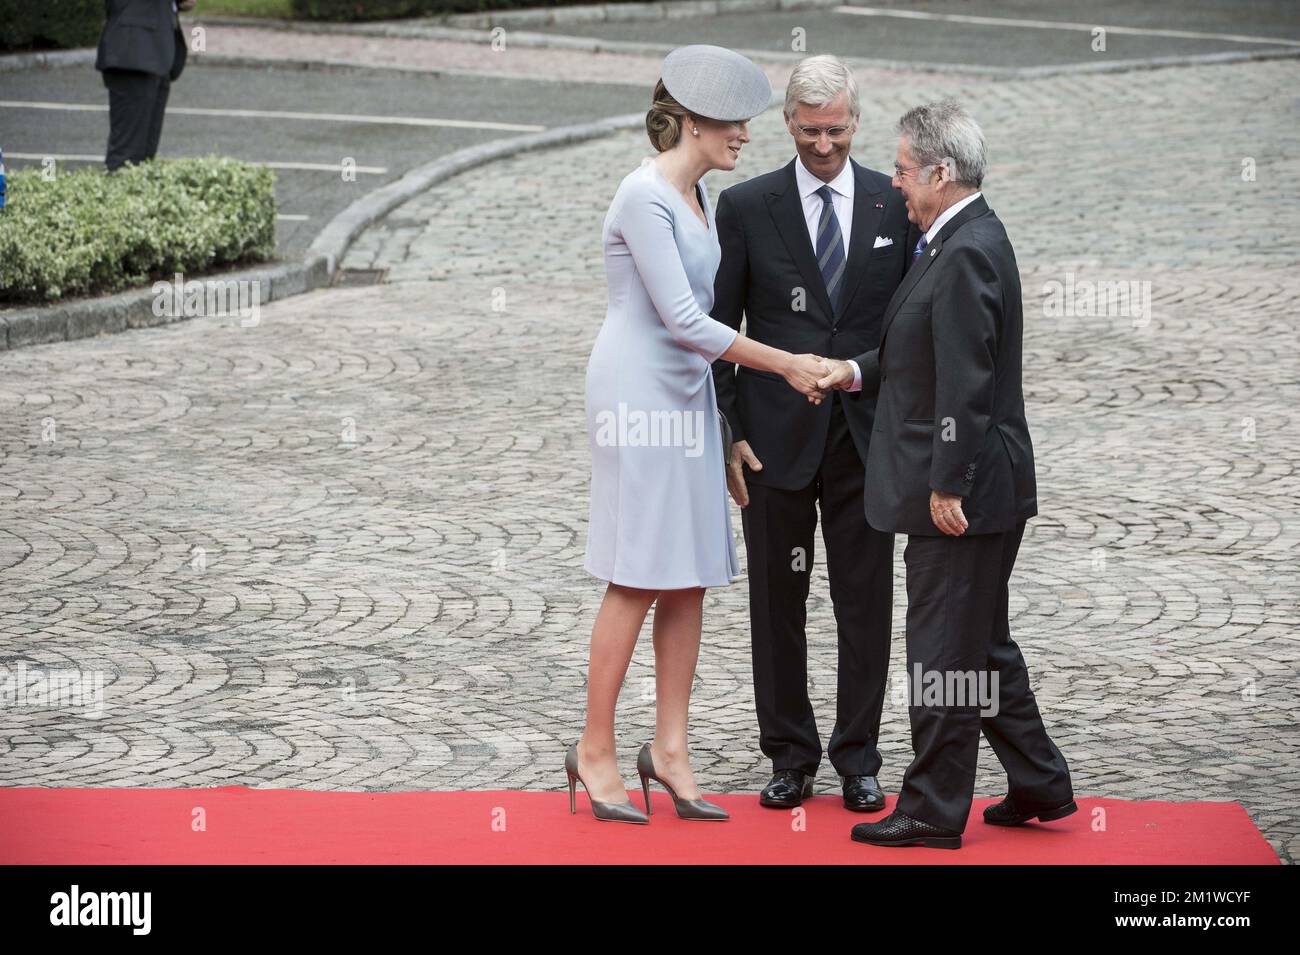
(715, 82)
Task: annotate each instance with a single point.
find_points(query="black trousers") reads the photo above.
(136, 104)
(779, 527)
(957, 623)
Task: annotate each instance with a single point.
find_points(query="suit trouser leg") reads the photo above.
(952, 598)
(132, 114)
(156, 120)
(779, 526)
(860, 565)
(1037, 774)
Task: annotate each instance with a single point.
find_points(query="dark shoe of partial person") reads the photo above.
(899, 829)
(786, 789)
(695, 809)
(1011, 813)
(863, 794)
(604, 811)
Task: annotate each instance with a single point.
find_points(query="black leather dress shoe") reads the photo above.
(1011, 813)
(787, 788)
(898, 829)
(863, 794)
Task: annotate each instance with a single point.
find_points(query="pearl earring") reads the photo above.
(695, 130)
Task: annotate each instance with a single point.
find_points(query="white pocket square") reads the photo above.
(882, 241)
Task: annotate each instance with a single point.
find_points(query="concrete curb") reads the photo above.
(623, 12)
(338, 235)
(87, 317)
(12, 62)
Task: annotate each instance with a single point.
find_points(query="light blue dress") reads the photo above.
(659, 513)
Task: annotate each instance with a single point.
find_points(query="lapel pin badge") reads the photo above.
(932, 252)
(880, 205)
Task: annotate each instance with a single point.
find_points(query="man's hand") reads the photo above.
(802, 372)
(945, 511)
(184, 5)
(741, 455)
(841, 376)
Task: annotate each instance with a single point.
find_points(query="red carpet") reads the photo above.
(152, 826)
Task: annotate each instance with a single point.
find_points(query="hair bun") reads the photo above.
(663, 123)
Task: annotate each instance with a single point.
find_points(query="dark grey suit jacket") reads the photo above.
(142, 35)
(766, 256)
(950, 415)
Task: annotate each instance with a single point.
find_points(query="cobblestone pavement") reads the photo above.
(342, 549)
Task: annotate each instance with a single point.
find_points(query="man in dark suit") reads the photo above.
(810, 256)
(140, 52)
(951, 465)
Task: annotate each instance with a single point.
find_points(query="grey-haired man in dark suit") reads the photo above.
(140, 52)
(951, 466)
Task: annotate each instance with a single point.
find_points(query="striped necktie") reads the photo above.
(830, 248)
(920, 247)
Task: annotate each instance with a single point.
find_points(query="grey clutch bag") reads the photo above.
(725, 427)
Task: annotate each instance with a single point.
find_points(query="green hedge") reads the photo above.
(87, 232)
(394, 9)
(33, 24)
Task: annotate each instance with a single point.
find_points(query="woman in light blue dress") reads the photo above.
(660, 530)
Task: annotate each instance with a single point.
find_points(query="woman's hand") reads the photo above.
(802, 372)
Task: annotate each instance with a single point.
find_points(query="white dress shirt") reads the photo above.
(947, 214)
(841, 200)
(930, 233)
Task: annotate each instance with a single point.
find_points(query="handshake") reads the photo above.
(816, 377)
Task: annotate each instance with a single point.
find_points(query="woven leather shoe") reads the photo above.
(863, 794)
(1010, 813)
(786, 789)
(898, 829)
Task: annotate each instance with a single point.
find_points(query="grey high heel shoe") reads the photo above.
(604, 811)
(700, 809)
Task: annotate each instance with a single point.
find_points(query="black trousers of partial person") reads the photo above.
(136, 104)
(779, 526)
(957, 622)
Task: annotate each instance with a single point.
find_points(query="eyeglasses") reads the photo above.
(900, 172)
(815, 132)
